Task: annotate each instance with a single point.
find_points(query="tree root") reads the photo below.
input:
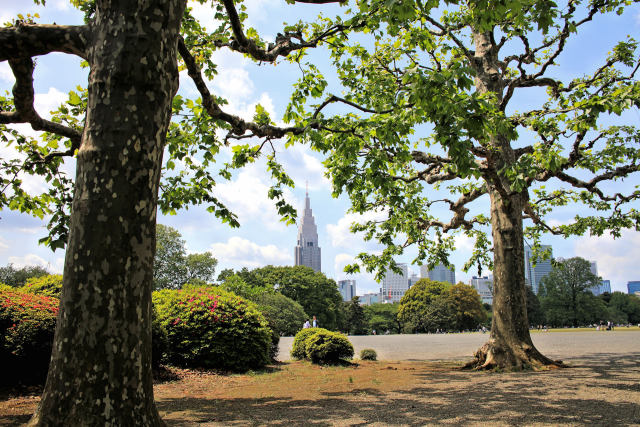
(501, 357)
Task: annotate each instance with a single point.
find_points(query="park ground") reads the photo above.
(416, 382)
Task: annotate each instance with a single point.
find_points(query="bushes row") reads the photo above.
(321, 346)
(27, 325)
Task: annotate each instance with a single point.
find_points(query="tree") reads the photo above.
(563, 290)
(16, 277)
(318, 295)
(428, 119)
(426, 307)
(118, 129)
(534, 310)
(285, 316)
(467, 307)
(624, 308)
(383, 317)
(172, 267)
(355, 319)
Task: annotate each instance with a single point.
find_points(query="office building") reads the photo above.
(413, 279)
(633, 287)
(439, 273)
(484, 287)
(370, 298)
(394, 285)
(536, 269)
(604, 286)
(307, 251)
(347, 289)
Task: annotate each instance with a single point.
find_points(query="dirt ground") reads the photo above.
(600, 388)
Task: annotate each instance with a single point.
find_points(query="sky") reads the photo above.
(262, 238)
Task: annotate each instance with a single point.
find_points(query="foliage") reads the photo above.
(624, 308)
(355, 318)
(565, 295)
(285, 316)
(298, 349)
(426, 307)
(383, 317)
(212, 328)
(534, 309)
(159, 339)
(49, 285)
(27, 325)
(368, 354)
(236, 284)
(173, 267)
(318, 295)
(327, 347)
(16, 277)
(467, 306)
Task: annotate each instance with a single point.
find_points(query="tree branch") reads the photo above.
(283, 45)
(27, 40)
(23, 98)
(239, 126)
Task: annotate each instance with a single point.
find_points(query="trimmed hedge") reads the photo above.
(208, 327)
(321, 346)
(299, 350)
(27, 326)
(328, 347)
(368, 354)
(49, 285)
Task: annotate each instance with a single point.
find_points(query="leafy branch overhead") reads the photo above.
(195, 134)
(430, 121)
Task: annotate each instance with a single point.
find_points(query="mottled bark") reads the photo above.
(509, 345)
(100, 372)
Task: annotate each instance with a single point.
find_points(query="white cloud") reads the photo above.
(6, 75)
(3, 245)
(302, 166)
(365, 282)
(28, 260)
(617, 259)
(247, 197)
(340, 233)
(234, 83)
(242, 252)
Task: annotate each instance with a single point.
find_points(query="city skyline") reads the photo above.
(262, 238)
(307, 251)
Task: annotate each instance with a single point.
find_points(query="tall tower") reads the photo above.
(536, 269)
(307, 251)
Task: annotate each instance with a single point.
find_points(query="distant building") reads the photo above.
(371, 298)
(347, 289)
(536, 269)
(394, 285)
(604, 286)
(413, 279)
(307, 251)
(484, 286)
(633, 287)
(440, 273)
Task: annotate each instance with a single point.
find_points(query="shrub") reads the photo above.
(49, 285)
(27, 325)
(159, 340)
(328, 347)
(368, 354)
(298, 350)
(285, 316)
(210, 328)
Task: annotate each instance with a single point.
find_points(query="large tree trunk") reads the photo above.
(509, 345)
(100, 371)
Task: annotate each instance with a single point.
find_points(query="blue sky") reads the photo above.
(263, 239)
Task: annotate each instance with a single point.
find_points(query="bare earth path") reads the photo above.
(409, 388)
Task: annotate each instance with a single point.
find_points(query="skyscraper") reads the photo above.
(394, 285)
(347, 289)
(440, 273)
(533, 274)
(307, 251)
(484, 286)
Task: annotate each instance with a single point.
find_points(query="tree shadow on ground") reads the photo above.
(602, 390)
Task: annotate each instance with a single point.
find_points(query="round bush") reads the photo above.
(285, 316)
(27, 326)
(298, 350)
(49, 285)
(328, 347)
(210, 328)
(368, 354)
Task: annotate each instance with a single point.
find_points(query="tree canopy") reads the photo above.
(173, 267)
(426, 129)
(16, 277)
